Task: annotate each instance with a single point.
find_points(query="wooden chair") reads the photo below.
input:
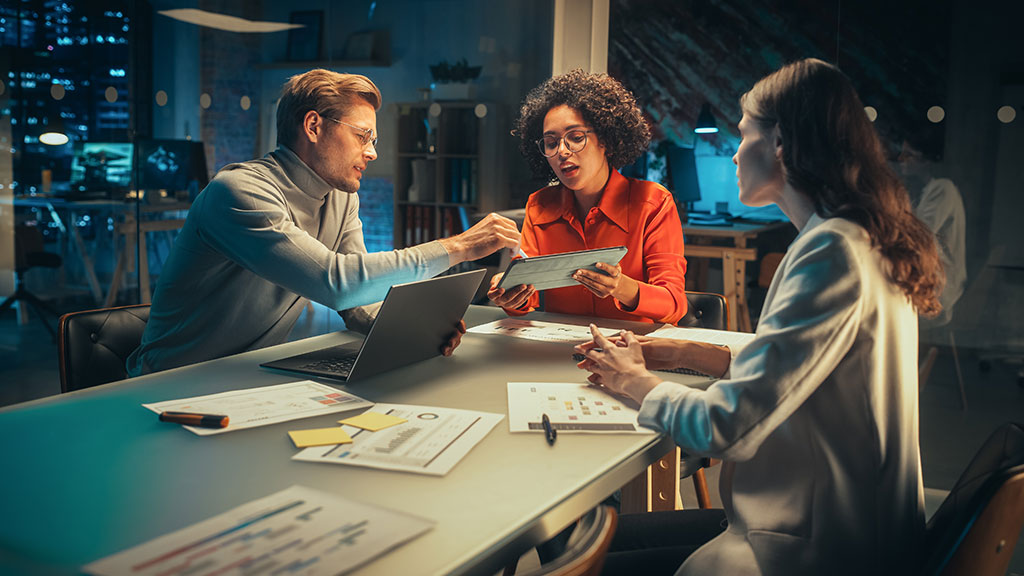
(977, 526)
(93, 345)
(587, 548)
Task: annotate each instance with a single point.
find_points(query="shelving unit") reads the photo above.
(445, 161)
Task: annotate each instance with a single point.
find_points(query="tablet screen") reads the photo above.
(555, 270)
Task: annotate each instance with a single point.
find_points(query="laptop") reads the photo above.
(413, 323)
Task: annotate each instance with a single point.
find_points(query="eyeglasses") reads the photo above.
(575, 141)
(366, 135)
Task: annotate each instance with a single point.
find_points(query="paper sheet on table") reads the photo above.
(571, 407)
(432, 442)
(734, 340)
(543, 331)
(268, 405)
(295, 530)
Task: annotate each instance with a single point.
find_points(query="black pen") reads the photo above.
(549, 431)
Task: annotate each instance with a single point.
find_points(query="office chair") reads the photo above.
(587, 548)
(977, 526)
(704, 310)
(94, 344)
(29, 253)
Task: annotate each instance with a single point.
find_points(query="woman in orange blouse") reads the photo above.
(577, 128)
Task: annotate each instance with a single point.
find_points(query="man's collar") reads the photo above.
(614, 202)
(305, 179)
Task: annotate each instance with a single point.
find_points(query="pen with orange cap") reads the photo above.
(193, 419)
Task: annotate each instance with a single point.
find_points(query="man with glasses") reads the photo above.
(268, 235)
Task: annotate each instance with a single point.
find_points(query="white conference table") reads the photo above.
(90, 473)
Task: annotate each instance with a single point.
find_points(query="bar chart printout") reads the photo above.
(295, 531)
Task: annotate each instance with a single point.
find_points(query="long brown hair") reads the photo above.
(832, 154)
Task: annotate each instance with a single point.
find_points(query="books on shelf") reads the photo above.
(462, 178)
(421, 226)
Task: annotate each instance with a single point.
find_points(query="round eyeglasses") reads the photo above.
(575, 141)
(366, 135)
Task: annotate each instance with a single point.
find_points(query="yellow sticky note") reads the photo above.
(373, 421)
(319, 437)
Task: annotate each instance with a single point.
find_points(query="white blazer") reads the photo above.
(816, 421)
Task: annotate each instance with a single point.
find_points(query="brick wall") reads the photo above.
(228, 72)
(376, 210)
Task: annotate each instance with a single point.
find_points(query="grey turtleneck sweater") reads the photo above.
(263, 238)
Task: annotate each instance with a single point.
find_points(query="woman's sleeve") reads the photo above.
(663, 293)
(809, 326)
(528, 242)
(250, 225)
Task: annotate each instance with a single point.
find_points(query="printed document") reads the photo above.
(543, 331)
(734, 340)
(571, 407)
(432, 442)
(295, 531)
(268, 405)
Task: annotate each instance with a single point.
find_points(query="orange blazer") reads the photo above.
(637, 214)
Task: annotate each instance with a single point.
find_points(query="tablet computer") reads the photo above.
(555, 270)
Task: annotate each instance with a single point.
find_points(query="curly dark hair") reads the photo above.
(606, 106)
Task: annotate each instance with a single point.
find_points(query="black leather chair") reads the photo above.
(705, 310)
(29, 253)
(975, 529)
(94, 344)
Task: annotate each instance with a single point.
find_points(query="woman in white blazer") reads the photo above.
(816, 420)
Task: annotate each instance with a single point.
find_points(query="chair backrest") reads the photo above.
(769, 264)
(587, 547)
(975, 529)
(93, 344)
(30, 250)
(705, 310)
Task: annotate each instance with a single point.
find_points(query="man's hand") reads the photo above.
(610, 282)
(513, 298)
(455, 339)
(617, 365)
(487, 236)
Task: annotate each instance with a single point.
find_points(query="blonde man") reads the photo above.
(268, 235)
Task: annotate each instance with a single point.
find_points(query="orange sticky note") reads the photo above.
(319, 437)
(373, 421)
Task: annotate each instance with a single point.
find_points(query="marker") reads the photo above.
(193, 419)
(521, 253)
(549, 432)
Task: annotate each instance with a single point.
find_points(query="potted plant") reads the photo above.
(452, 81)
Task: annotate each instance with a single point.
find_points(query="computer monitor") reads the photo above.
(682, 172)
(172, 165)
(101, 167)
(163, 164)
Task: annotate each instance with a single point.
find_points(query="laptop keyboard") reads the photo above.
(687, 371)
(342, 366)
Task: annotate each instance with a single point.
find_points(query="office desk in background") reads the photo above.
(700, 244)
(132, 221)
(91, 473)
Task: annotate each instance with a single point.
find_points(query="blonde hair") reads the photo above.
(323, 91)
